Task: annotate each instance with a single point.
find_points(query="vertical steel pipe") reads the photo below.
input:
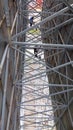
(9, 114)
(4, 96)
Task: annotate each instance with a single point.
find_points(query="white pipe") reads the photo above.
(39, 44)
(3, 59)
(14, 22)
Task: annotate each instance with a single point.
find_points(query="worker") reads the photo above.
(31, 21)
(36, 51)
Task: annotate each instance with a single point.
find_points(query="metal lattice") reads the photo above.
(43, 80)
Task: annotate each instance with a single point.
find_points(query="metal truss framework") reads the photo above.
(36, 108)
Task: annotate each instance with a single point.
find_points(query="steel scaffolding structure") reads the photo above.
(37, 106)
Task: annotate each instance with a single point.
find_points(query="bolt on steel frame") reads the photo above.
(38, 93)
